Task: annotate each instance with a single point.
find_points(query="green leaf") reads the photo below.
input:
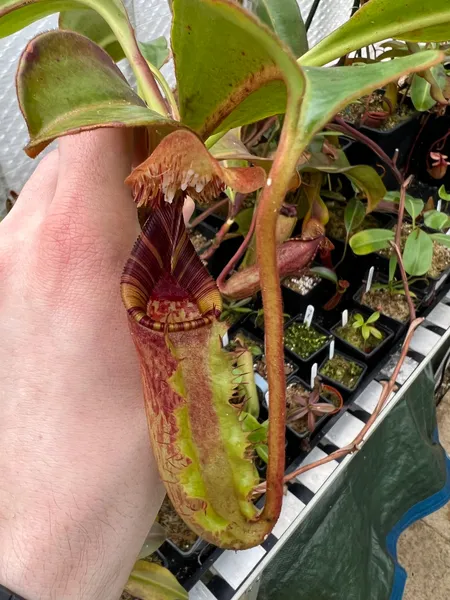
(392, 266)
(441, 238)
(418, 253)
(285, 19)
(354, 214)
(156, 537)
(443, 194)
(435, 219)
(375, 332)
(89, 23)
(16, 14)
(365, 331)
(420, 93)
(359, 320)
(262, 451)
(380, 20)
(236, 63)
(423, 94)
(94, 92)
(235, 75)
(371, 240)
(413, 206)
(325, 273)
(156, 51)
(365, 178)
(373, 317)
(244, 219)
(150, 581)
(329, 90)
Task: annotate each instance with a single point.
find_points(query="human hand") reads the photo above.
(79, 486)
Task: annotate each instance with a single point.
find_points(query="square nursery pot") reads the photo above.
(196, 547)
(338, 384)
(401, 137)
(319, 422)
(396, 325)
(295, 301)
(388, 333)
(260, 379)
(314, 327)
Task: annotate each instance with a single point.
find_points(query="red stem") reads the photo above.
(240, 252)
(344, 127)
(206, 213)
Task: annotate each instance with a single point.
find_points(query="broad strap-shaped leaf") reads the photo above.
(371, 240)
(150, 581)
(16, 14)
(155, 538)
(424, 95)
(362, 176)
(66, 84)
(239, 72)
(436, 219)
(328, 90)
(418, 253)
(285, 18)
(235, 58)
(414, 21)
(88, 22)
(353, 215)
(193, 388)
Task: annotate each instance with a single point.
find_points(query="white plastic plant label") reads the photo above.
(331, 353)
(344, 317)
(313, 374)
(370, 279)
(439, 205)
(309, 315)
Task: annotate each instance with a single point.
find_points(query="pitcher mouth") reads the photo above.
(164, 286)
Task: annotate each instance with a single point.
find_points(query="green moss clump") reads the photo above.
(303, 340)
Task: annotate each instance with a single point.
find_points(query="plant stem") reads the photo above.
(344, 127)
(240, 252)
(225, 228)
(206, 213)
(167, 91)
(271, 200)
(401, 211)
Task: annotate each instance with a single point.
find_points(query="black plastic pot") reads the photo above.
(260, 381)
(400, 137)
(319, 422)
(394, 324)
(295, 303)
(194, 549)
(311, 358)
(389, 334)
(338, 384)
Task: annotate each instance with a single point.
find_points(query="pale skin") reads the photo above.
(79, 486)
